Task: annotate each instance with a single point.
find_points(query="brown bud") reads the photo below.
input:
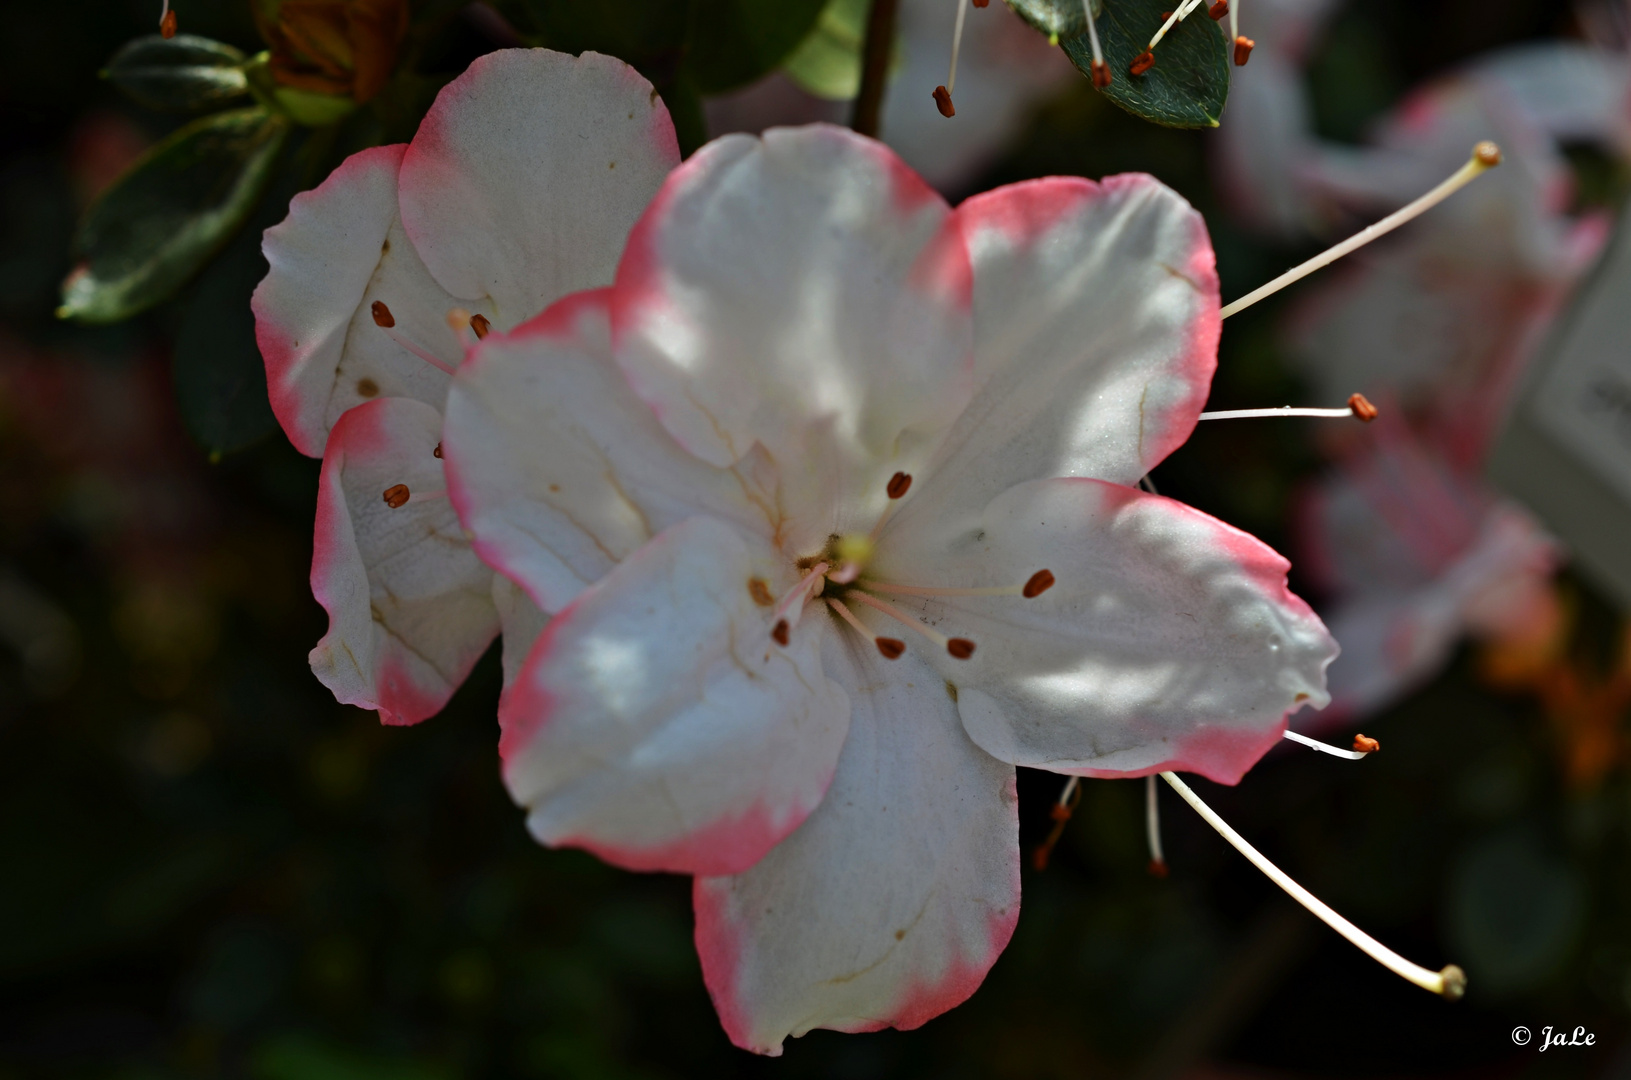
(167, 24)
(961, 648)
(396, 496)
(1487, 153)
(942, 101)
(890, 647)
(899, 485)
(1101, 74)
(1362, 407)
(780, 632)
(1040, 582)
(1366, 745)
(1243, 50)
(480, 325)
(1141, 63)
(382, 314)
(1219, 9)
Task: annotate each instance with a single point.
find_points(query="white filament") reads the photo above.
(1284, 410)
(1327, 748)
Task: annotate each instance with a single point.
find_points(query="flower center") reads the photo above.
(835, 577)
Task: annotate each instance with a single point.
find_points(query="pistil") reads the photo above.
(1358, 406)
(1450, 982)
(1363, 747)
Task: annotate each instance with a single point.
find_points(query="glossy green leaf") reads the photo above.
(219, 376)
(1190, 80)
(1056, 18)
(182, 74)
(164, 218)
(734, 42)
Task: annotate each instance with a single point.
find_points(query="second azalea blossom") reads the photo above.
(833, 492)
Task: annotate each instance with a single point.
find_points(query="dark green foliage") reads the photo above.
(182, 74)
(1190, 80)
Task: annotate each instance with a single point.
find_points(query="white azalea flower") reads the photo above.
(519, 187)
(833, 494)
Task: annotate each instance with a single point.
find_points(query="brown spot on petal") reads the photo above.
(1141, 63)
(1040, 582)
(1243, 50)
(961, 648)
(899, 485)
(892, 648)
(1362, 407)
(382, 314)
(759, 589)
(780, 632)
(396, 496)
(481, 326)
(367, 388)
(1366, 745)
(942, 101)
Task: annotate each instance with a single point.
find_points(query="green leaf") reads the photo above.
(1056, 18)
(734, 42)
(219, 376)
(1190, 80)
(165, 217)
(180, 74)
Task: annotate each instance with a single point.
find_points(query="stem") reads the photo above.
(1450, 983)
(880, 38)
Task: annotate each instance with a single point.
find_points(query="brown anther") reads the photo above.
(1141, 63)
(961, 648)
(1040, 582)
(780, 632)
(942, 101)
(167, 25)
(890, 647)
(1487, 153)
(1362, 407)
(1101, 74)
(759, 589)
(1219, 9)
(1059, 812)
(1165, 15)
(382, 314)
(438, 451)
(480, 325)
(1366, 745)
(396, 496)
(899, 485)
(981, 3)
(1158, 868)
(1243, 50)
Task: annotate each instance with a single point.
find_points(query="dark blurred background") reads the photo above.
(208, 868)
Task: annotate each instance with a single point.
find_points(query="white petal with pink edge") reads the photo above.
(341, 248)
(1167, 641)
(558, 470)
(804, 290)
(659, 724)
(527, 173)
(410, 606)
(890, 904)
(1096, 333)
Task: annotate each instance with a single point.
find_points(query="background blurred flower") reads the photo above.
(342, 47)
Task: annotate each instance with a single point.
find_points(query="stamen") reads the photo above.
(794, 598)
(438, 451)
(167, 21)
(1356, 754)
(899, 485)
(891, 648)
(481, 326)
(1101, 70)
(1152, 828)
(942, 101)
(1358, 406)
(1037, 584)
(397, 495)
(960, 648)
(1141, 63)
(1060, 813)
(1147, 484)
(1451, 982)
(1366, 745)
(942, 94)
(1234, 23)
(1172, 20)
(1484, 156)
(1243, 49)
(387, 322)
(1218, 10)
(779, 632)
